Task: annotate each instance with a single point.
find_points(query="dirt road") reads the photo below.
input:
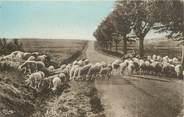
(137, 97)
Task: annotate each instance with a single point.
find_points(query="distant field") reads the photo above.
(156, 46)
(59, 50)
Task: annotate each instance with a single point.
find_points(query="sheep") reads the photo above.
(35, 80)
(28, 66)
(136, 64)
(123, 66)
(75, 62)
(175, 61)
(66, 71)
(106, 71)
(159, 58)
(69, 66)
(32, 66)
(86, 61)
(62, 76)
(13, 65)
(73, 71)
(51, 68)
(62, 66)
(56, 84)
(178, 70)
(115, 65)
(26, 55)
(42, 58)
(147, 67)
(141, 66)
(19, 56)
(10, 57)
(35, 54)
(149, 58)
(165, 59)
(168, 69)
(154, 57)
(31, 58)
(83, 71)
(40, 65)
(130, 67)
(170, 61)
(94, 71)
(156, 67)
(103, 64)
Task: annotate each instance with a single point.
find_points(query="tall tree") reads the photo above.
(139, 13)
(170, 15)
(121, 24)
(116, 38)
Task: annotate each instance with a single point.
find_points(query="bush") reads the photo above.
(6, 47)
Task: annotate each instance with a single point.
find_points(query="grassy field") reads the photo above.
(58, 50)
(161, 47)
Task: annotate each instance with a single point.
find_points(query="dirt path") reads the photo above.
(136, 97)
(95, 56)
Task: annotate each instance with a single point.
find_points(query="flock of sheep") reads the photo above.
(38, 75)
(152, 65)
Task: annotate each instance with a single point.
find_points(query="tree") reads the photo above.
(116, 38)
(171, 19)
(139, 13)
(121, 24)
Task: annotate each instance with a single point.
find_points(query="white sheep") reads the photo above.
(63, 66)
(123, 66)
(165, 59)
(154, 57)
(32, 66)
(56, 83)
(178, 70)
(175, 61)
(51, 68)
(31, 58)
(115, 65)
(35, 80)
(130, 67)
(74, 71)
(42, 58)
(159, 58)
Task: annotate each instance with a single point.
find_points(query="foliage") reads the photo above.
(8, 46)
(138, 17)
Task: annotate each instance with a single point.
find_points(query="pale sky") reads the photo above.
(65, 19)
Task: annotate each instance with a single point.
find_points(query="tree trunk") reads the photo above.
(110, 46)
(116, 47)
(125, 45)
(141, 47)
(182, 64)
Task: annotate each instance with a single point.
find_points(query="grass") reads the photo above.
(58, 50)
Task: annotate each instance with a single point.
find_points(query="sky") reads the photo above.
(72, 19)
